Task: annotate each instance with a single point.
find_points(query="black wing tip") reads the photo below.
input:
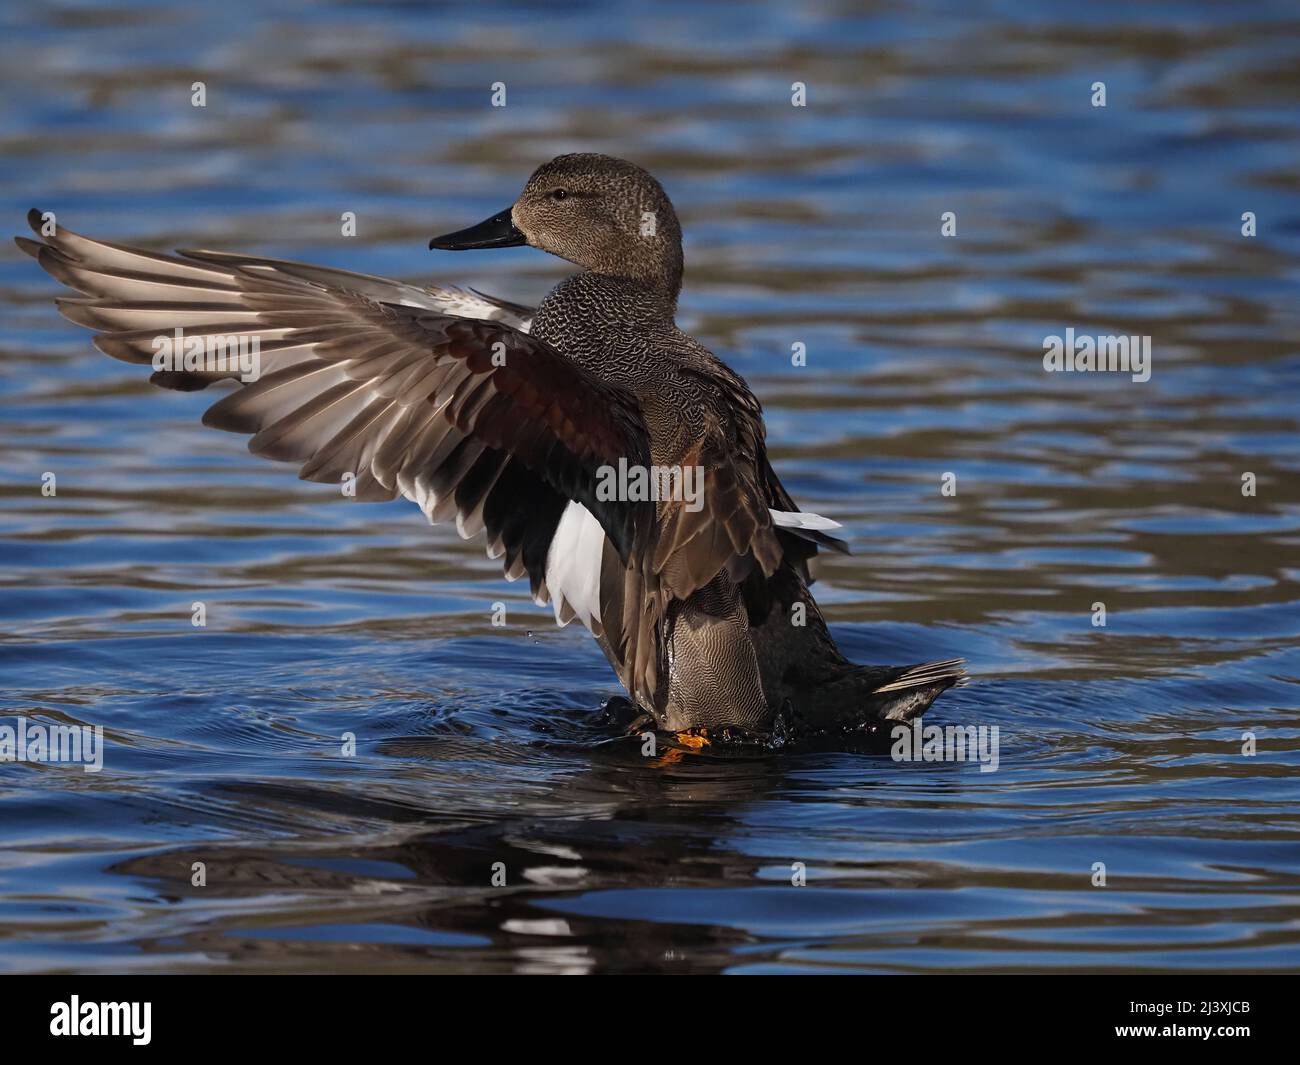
(179, 380)
(219, 417)
(815, 537)
(35, 219)
(836, 544)
(114, 348)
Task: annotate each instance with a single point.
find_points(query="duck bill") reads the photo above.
(496, 232)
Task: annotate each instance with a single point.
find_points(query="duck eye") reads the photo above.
(558, 194)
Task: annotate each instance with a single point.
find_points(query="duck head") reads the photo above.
(604, 214)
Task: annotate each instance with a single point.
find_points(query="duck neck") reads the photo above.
(587, 308)
(662, 274)
(648, 298)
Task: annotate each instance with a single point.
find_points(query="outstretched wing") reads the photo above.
(470, 417)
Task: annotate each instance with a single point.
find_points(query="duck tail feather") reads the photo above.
(950, 673)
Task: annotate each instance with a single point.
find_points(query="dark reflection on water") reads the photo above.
(820, 225)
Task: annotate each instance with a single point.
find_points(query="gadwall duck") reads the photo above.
(605, 454)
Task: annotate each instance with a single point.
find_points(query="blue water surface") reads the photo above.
(488, 820)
